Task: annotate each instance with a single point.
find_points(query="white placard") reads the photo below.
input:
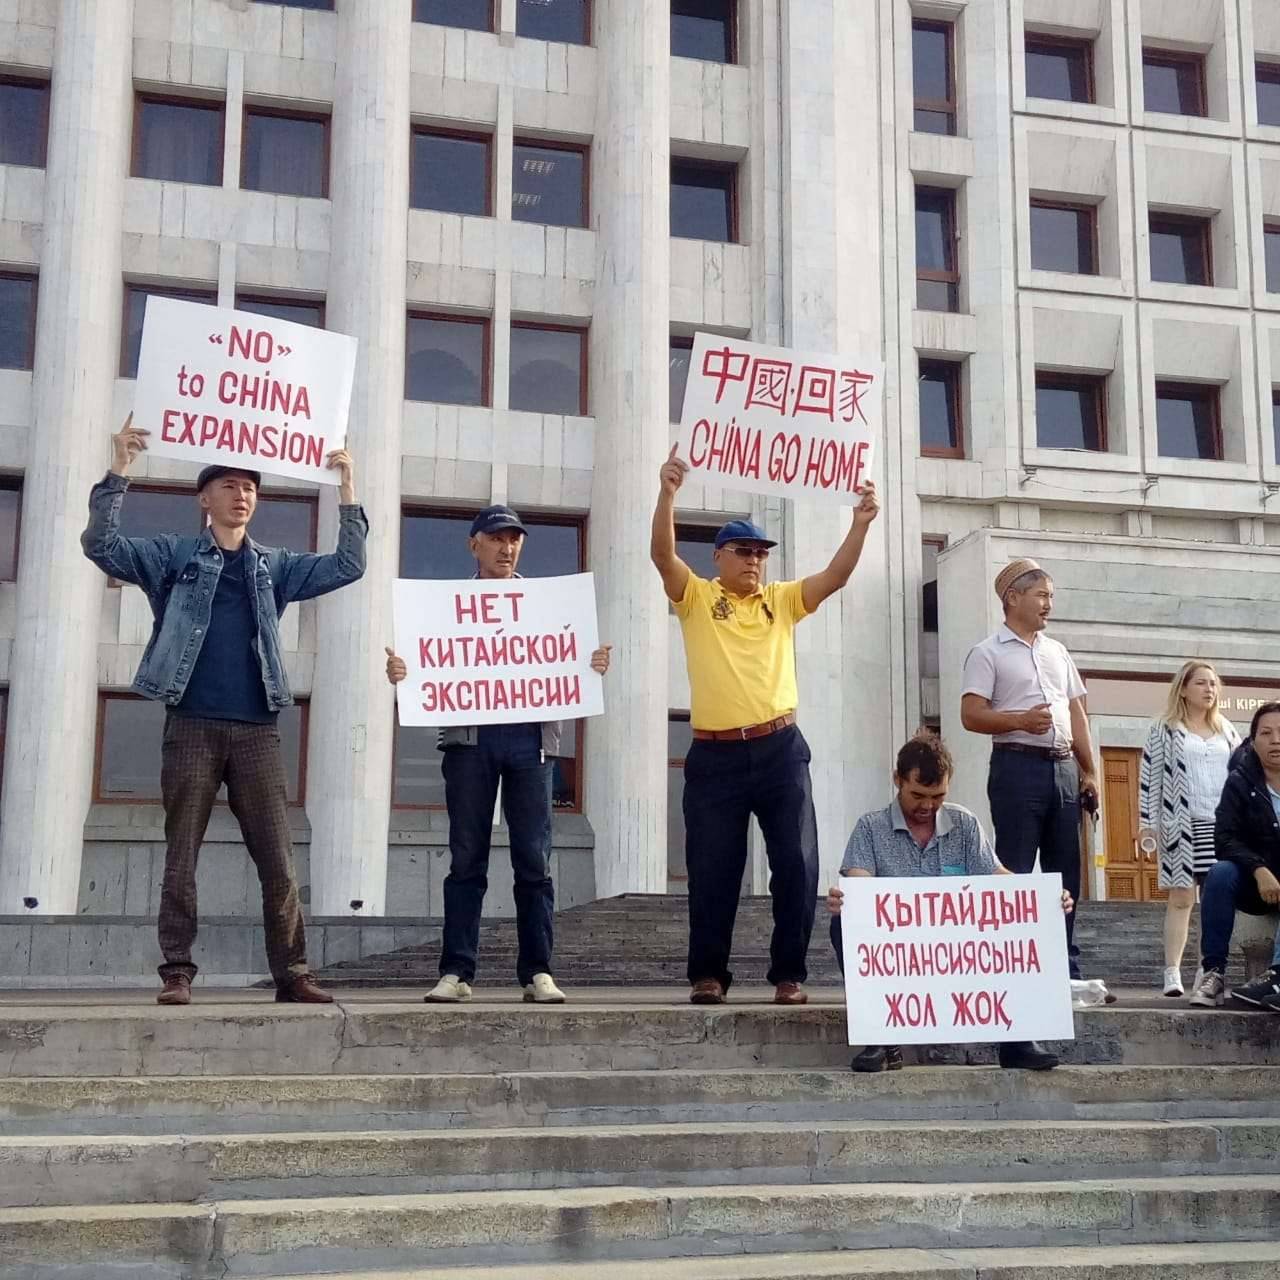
(217, 385)
(497, 651)
(791, 424)
(955, 960)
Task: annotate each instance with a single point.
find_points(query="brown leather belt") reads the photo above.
(748, 731)
(1026, 749)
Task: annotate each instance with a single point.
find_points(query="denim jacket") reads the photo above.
(180, 575)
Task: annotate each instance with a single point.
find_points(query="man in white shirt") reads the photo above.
(1022, 688)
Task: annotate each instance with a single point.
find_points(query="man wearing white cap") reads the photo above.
(1022, 688)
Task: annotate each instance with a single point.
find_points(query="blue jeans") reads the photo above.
(1228, 888)
(512, 754)
(1035, 805)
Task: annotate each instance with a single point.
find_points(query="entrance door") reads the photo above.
(1129, 879)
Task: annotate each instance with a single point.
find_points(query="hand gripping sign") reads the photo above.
(217, 385)
(497, 651)
(955, 959)
(791, 424)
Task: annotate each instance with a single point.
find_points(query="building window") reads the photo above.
(177, 140)
(679, 353)
(548, 369)
(1271, 245)
(1064, 237)
(1181, 249)
(308, 311)
(1267, 75)
(1188, 420)
(1174, 83)
(472, 15)
(704, 200)
(130, 733)
(446, 359)
(10, 525)
(567, 21)
(695, 545)
(679, 740)
(433, 544)
(1071, 411)
(941, 409)
(324, 6)
(937, 276)
(285, 152)
(24, 121)
(135, 305)
(933, 76)
(1275, 423)
(18, 291)
(1058, 68)
(549, 184)
(932, 548)
(451, 172)
(704, 29)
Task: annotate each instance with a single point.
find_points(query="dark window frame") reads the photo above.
(288, 113)
(1081, 44)
(584, 387)
(1097, 384)
(948, 106)
(589, 22)
(463, 135)
(715, 166)
(1209, 392)
(554, 144)
(955, 399)
(287, 299)
(141, 97)
(1091, 212)
(733, 41)
(951, 242)
(184, 292)
(486, 352)
(448, 26)
(1178, 223)
(1175, 58)
(1275, 429)
(35, 82)
(34, 277)
(1265, 71)
(325, 6)
(13, 484)
(685, 344)
(1270, 227)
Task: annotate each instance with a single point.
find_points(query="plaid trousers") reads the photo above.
(197, 757)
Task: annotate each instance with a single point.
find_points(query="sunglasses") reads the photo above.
(748, 553)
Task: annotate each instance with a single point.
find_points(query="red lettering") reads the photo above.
(465, 609)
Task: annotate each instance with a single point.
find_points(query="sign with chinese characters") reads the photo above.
(791, 424)
(217, 385)
(496, 651)
(955, 960)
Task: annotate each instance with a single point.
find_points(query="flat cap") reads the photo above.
(1010, 574)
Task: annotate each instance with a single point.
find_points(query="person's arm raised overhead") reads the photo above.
(662, 543)
(818, 586)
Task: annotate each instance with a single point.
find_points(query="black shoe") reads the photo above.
(877, 1057)
(1263, 991)
(1026, 1055)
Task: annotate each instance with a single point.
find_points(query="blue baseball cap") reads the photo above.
(492, 519)
(743, 531)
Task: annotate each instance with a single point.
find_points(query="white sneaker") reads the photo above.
(449, 990)
(1211, 991)
(543, 990)
(1173, 981)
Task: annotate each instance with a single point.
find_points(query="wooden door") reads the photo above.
(1129, 878)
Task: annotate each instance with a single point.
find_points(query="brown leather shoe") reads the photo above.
(707, 991)
(177, 990)
(302, 990)
(790, 993)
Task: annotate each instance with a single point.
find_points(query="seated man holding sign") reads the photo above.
(748, 756)
(476, 760)
(919, 834)
(215, 661)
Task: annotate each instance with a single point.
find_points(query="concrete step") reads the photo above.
(323, 1235)
(388, 1038)
(248, 1166)
(60, 1106)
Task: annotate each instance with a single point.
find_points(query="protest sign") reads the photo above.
(791, 424)
(217, 385)
(496, 651)
(955, 960)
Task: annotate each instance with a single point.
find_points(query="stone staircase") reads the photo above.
(622, 1136)
(642, 938)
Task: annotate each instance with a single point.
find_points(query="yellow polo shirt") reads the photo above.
(740, 652)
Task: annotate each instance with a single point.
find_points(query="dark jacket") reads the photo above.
(1246, 830)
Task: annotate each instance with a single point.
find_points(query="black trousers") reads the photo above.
(724, 784)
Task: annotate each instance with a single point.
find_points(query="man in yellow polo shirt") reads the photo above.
(747, 756)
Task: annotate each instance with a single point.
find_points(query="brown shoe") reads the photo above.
(707, 991)
(302, 990)
(177, 990)
(790, 993)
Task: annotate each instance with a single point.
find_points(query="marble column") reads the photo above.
(49, 737)
(626, 757)
(349, 760)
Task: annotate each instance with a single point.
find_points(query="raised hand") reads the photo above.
(126, 444)
(673, 471)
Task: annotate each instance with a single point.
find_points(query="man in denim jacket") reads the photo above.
(215, 661)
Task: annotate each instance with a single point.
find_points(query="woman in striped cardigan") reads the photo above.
(1184, 767)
